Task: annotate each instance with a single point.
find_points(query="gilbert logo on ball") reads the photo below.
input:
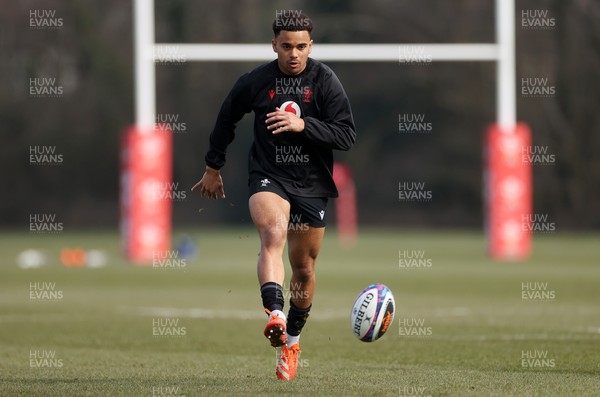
(372, 313)
(291, 107)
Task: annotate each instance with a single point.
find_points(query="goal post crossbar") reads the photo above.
(164, 52)
(502, 52)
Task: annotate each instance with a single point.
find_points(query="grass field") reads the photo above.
(479, 337)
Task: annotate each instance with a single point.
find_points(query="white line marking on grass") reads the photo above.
(35, 318)
(215, 314)
(513, 337)
(451, 312)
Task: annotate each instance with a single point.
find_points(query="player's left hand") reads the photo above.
(281, 121)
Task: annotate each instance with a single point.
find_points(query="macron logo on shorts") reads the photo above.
(322, 214)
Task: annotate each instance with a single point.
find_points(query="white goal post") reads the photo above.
(502, 52)
(504, 230)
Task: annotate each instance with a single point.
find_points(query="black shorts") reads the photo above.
(304, 211)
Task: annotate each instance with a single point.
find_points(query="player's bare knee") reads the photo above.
(273, 236)
(304, 270)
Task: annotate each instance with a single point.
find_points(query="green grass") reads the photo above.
(101, 329)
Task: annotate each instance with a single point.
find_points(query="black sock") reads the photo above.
(296, 319)
(272, 296)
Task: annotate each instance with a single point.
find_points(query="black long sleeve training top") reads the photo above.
(301, 162)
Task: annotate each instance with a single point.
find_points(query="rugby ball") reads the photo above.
(372, 313)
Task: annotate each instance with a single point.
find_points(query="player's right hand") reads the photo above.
(211, 184)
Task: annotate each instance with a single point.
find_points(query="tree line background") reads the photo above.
(91, 57)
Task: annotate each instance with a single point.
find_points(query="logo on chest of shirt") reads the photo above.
(292, 86)
(307, 96)
(291, 107)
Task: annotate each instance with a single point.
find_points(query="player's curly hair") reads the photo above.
(291, 21)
